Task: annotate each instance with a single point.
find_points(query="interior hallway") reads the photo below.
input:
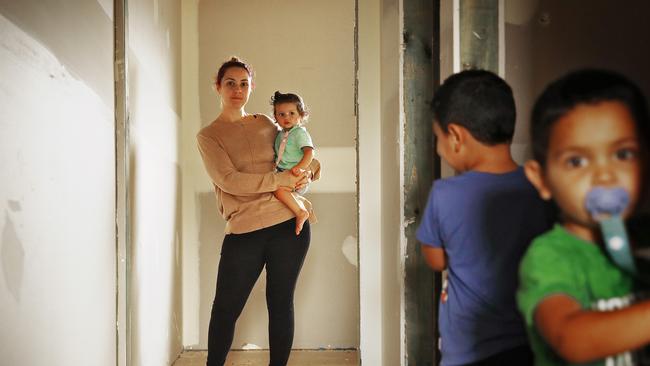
(58, 157)
(261, 358)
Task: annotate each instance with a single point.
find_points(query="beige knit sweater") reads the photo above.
(238, 157)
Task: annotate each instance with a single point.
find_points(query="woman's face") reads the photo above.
(235, 88)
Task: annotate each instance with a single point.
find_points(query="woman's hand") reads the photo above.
(305, 181)
(306, 174)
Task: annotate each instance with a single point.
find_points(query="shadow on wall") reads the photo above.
(176, 325)
(12, 253)
(132, 268)
(149, 259)
(211, 228)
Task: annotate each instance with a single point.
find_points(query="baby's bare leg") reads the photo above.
(295, 206)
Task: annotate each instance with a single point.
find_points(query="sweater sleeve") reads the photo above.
(315, 169)
(224, 175)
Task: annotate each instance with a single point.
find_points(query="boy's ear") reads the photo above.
(535, 174)
(457, 135)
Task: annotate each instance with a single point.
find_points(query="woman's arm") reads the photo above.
(315, 169)
(224, 174)
(581, 336)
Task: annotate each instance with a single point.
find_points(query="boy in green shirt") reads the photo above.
(589, 129)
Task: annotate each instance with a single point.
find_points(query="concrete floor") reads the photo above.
(261, 358)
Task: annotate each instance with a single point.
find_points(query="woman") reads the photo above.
(237, 150)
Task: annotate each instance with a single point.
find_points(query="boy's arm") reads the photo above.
(436, 258)
(579, 336)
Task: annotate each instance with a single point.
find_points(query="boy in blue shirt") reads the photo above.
(477, 225)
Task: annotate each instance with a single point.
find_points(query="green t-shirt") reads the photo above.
(558, 262)
(298, 138)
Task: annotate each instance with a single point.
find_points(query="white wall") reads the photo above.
(192, 180)
(370, 185)
(392, 126)
(154, 74)
(304, 47)
(57, 250)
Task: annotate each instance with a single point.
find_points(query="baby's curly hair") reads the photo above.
(279, 98)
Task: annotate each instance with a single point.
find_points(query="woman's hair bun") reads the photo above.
(234, 61)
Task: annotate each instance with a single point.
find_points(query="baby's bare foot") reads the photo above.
(300, 220)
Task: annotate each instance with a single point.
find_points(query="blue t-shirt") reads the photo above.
(484, 222)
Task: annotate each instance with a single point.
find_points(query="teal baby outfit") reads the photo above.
(297, 138)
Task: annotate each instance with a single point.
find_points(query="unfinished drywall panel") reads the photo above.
(192, 176)
(369, 150)
(57, 251)
(328, 285)
(392, 193)
(313, 55)
(153, 81)
(65, 28)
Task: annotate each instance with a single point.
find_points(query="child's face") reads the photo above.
(592, 145)
(287, 115)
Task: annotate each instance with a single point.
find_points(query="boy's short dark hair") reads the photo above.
(480, 101)
(586, 86)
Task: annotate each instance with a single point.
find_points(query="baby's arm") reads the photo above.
(436, 258)
(579, 336)
(303, 164)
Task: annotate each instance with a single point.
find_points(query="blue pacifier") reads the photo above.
(606, 206)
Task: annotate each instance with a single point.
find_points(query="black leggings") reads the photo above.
(242, 258)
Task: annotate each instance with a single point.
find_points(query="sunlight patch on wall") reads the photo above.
(339, 170)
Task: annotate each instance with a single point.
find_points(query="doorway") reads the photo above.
(305, 48)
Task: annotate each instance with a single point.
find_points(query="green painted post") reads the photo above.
(479, 34)
(420, 74)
